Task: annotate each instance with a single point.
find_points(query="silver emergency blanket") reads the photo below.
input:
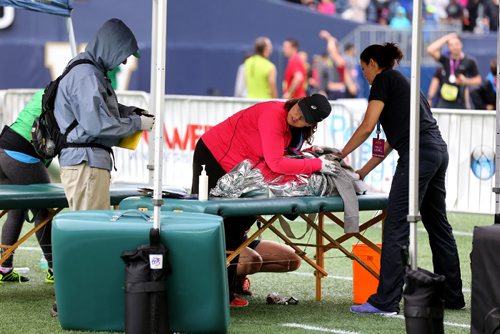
(242, 179)
(246, 181)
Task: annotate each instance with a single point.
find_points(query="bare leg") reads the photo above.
(277, 257)
(250, 262)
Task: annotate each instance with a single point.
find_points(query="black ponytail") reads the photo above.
(386, 55)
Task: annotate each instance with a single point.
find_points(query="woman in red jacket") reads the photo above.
(263, 134)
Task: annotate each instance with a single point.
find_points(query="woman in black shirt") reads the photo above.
(389, 105)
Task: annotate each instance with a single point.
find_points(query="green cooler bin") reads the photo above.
(90, 274)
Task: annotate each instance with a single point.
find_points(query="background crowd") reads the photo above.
(334, 73)
(456, 83)
(477, 16)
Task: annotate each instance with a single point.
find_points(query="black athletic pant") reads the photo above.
(234, 227)
(432, 195)
(16, 172)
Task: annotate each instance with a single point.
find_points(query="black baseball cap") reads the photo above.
(315, 108)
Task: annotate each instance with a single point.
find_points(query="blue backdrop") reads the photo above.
(206, 40)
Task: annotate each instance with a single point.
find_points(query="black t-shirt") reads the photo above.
(466, 66)
(439, 74)
(392, 88)
(483, 95)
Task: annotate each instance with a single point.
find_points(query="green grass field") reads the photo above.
(25, 308)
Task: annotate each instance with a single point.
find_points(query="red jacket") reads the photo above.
(261, 134)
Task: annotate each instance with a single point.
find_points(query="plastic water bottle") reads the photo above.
(203, 185)
(44, 265)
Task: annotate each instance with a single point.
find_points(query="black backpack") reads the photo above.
(47, 138)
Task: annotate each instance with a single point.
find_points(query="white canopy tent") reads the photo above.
(55, 7)
(496, 189)
(158, 58)
(413, 207)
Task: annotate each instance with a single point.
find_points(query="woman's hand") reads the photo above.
(328, 167)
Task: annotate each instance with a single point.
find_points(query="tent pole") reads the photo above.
(152, 94)
(413, 207)
(159, 106)
(71, 36)
(496, 189)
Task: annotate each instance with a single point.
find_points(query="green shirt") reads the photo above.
(27, 116)
(257, 69)
(24, 121)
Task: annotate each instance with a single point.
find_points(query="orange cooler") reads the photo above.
(363, 283)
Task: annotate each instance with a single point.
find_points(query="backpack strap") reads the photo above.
(96, 145)
(75, 63)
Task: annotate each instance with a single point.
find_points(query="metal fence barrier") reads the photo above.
(470, 136)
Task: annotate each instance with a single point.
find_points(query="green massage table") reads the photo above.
(197, 288)
(313, 210)
(47, 196)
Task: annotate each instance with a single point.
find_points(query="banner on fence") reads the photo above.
(470, 136)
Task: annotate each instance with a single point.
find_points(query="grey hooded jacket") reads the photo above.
(85, 94)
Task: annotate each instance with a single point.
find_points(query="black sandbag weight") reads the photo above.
(423, 302)
(146, 270)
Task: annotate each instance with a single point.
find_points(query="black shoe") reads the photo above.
(456, 305)
(53, 310)
(13, 276)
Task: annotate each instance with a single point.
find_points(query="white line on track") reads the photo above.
(317, 329)
(345, 278)
(446, 323)
(455, 233)
(30, 248)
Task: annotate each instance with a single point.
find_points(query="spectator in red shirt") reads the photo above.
(295, 72)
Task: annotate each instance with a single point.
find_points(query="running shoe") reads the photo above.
(237, 302)
(12, 276)
(53, 310)
(368, 308)
(50, 276)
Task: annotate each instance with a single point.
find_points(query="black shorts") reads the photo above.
(253, 244)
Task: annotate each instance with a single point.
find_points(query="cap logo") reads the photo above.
(314, 107)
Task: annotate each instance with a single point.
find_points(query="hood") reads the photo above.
(113, 43)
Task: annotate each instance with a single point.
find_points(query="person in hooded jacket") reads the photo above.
(85, 94)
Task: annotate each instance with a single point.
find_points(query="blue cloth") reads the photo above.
(56, 7)
(21, 157)
(400, 23)
(491, 79)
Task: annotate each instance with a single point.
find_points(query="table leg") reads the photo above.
(320, 254)
(9, 249)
